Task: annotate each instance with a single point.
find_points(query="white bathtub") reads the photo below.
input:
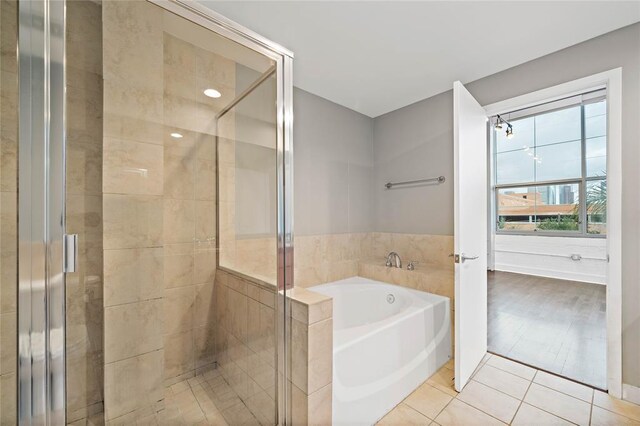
(387, 340)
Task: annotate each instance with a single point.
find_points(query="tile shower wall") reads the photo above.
(84, 291)
(158, 206)
(189, 203)
(133, 173)
(8, 209)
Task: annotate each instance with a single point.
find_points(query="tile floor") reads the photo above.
(202, 400)
(500, 392)
(506, 392)
(555, 325)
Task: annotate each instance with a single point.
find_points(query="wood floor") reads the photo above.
(554, 325)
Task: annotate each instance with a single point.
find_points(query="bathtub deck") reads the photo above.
(505, 392)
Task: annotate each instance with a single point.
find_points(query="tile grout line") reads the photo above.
(445, 407)
(458, 393)
(523, 396)
(198, 400)
(532, 381)
(502, 392)
(613, 412)
(409, 405)
(548, 412)
(564, 393)
(476, 408)
(502, 369)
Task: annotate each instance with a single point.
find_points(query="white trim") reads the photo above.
(612, 81)
(631, 393)
(539, 272)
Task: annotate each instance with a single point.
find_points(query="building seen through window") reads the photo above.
(550, 176)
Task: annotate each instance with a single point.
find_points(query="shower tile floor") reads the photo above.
(502, 392)
(205, 399)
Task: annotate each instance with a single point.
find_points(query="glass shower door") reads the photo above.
(247, 241)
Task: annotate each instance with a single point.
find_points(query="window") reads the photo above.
(550, 176)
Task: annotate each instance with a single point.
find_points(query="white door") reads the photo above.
(470, 233)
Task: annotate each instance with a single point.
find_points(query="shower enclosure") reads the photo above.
(146, 231)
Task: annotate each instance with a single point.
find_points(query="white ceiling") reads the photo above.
(375, 57)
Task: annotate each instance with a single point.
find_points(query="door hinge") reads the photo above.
(70, 258)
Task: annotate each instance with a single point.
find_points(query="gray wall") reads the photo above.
(425, 129)
(411, 143)
(333, 167)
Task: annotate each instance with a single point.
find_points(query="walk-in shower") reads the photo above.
(146, 214)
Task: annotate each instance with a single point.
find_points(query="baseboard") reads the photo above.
(631, 393)
(561, 275)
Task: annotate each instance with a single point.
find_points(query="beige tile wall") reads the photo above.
(434, 267)
(326, 258)
(245, 343)
(257, 257)
(429, 251)
(133, 172)
(8, 209)
(311, 375)
(159, 206)
(189, 203)
(84, 290)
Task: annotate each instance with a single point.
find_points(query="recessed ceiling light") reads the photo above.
(176, 135)
(212, 93)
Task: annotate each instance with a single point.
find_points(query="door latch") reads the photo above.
(461, 258)
(70, 250)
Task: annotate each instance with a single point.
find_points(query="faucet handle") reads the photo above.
(412, 265)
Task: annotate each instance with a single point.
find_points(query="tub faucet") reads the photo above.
(393, 259)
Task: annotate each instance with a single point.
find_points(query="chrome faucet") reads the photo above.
(393, 259)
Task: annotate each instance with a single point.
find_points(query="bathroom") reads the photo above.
(220, 230)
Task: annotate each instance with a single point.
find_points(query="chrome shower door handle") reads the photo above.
(461, 258)
(70, 254)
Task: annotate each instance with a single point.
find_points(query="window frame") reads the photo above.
(582, 181)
